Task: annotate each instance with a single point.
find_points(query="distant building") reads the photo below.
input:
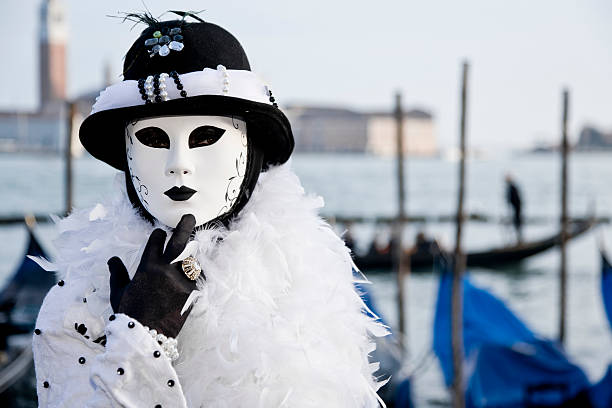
(53, 38)
(417, 131)
(338, 130)
(592, 139)
(41, 130)
(34, 132)
(328, 129)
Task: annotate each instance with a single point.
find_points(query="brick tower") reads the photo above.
(53, 36)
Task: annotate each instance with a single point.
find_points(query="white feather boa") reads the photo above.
(277, 323)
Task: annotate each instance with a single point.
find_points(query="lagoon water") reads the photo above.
(355, 185)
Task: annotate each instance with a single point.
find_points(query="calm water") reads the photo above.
(358, 185)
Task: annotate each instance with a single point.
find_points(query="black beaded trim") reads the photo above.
(272, 99)
(143, 92)
(177, 81)
(156, 91)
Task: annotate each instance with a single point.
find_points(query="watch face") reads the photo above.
(187, 165)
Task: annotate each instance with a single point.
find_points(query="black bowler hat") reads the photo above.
(186, 68)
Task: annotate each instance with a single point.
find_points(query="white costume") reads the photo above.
(277, 323)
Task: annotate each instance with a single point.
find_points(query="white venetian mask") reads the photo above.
(187, 165)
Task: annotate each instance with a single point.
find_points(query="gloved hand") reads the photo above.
(159, 289)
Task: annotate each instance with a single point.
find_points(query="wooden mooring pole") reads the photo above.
(71, 111)
(401, 264)
(564, 221)
(459, 262)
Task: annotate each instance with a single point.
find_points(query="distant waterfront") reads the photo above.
(364, 186)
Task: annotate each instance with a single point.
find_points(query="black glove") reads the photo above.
(159, 290)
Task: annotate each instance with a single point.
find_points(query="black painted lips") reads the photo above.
(181, 193)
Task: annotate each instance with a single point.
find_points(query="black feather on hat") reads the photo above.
(214, 73)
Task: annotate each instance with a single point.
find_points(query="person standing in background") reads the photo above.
(513, 197)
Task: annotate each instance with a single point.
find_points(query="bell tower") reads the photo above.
(53, 36)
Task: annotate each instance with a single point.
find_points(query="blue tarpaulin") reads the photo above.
(507, 365)
(606, 286)
(527, 374)
(485, 320)
(600, 393)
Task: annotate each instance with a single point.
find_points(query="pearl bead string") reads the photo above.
(154, 88)
(147, 86)
(168, 344)
(226, 81)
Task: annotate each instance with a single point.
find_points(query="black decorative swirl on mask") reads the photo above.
(235, 124)
(128, 149)
(141, 189)
(232, 190)
(243, 138)
(241, 163)
(233, 184)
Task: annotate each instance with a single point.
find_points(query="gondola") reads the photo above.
(536, 372)
(488, 258)
(20, 301)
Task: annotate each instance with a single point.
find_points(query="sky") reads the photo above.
(357, 54)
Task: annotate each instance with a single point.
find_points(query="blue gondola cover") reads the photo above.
(606, 286)
(506, 364)
(600, 393)
(24, 292)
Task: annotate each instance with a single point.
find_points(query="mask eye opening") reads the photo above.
(205, 136)
(153, 137)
